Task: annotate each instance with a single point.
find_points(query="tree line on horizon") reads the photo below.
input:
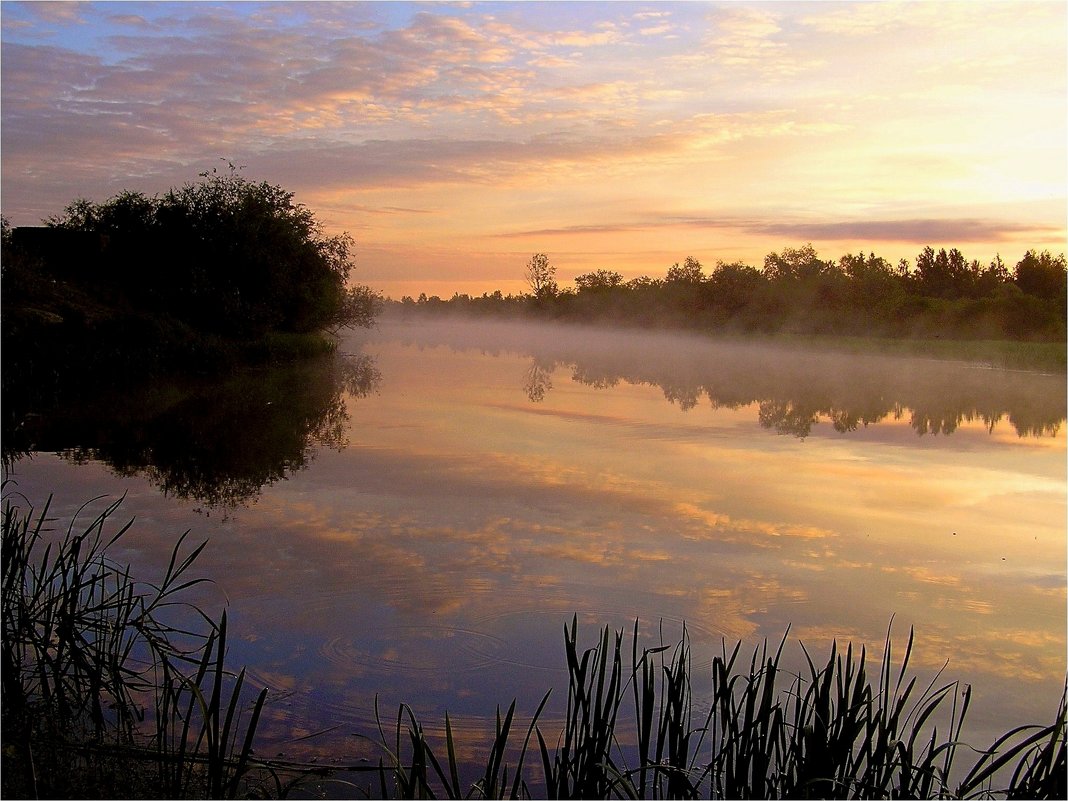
(942, 294)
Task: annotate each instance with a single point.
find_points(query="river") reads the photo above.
(418, 521)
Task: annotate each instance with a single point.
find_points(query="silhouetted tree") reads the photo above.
(991, 279)
(689, 272)
(806, 293)
(798, 292)
(795, 263)
(541, 277)
(735, 285)
(866, 269)
(874, 287)
(1041, 274)
(944, 274)
(360, 306)
(598, 280)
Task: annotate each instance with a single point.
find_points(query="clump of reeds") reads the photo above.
(104, 692)
(831, 734)
(769, 733)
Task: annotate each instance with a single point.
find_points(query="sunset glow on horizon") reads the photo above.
(454, 140)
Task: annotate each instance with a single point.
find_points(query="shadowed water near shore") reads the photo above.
(215, 442)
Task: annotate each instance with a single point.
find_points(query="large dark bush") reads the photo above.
(205, 279)
(225, 255)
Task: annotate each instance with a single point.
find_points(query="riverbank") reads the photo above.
(1045, 357)
(1039, 356)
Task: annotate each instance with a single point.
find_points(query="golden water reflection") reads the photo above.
(436, 558)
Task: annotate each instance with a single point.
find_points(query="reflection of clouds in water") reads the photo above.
(546, 484)
(977, 606)
(738, 607)
(1022, 655)
(458, 510)
(419, 563)
(722, 526)
(448, 570)
(413, 649)
(926, 575)
(1052, 585)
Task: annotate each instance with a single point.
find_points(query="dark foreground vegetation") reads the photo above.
(114, 688)
(940, 296)
(215, 274)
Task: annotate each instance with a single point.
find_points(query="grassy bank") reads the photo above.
(1046, 357)
(62, 338)
(110, 690)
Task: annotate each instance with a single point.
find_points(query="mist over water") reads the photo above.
(794, 387)
(443, 507)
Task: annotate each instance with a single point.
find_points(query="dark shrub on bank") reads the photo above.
(215, 275)
(223, 260)
(224, 255)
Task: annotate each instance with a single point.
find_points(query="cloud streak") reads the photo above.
(912, 231)
(915, 231)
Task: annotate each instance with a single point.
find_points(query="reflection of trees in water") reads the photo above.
(686, 396)
(222, 442)
(794, 391)
(584, 375)
(359, 376)
(539, 379)
(787, 418)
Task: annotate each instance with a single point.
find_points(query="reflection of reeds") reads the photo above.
(101, 693)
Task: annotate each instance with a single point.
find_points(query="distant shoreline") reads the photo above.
(1008, 354)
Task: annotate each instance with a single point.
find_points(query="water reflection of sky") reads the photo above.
(436, 558)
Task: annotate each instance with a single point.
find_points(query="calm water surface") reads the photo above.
(419, 522)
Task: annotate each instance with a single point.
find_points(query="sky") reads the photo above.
(455, 140)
